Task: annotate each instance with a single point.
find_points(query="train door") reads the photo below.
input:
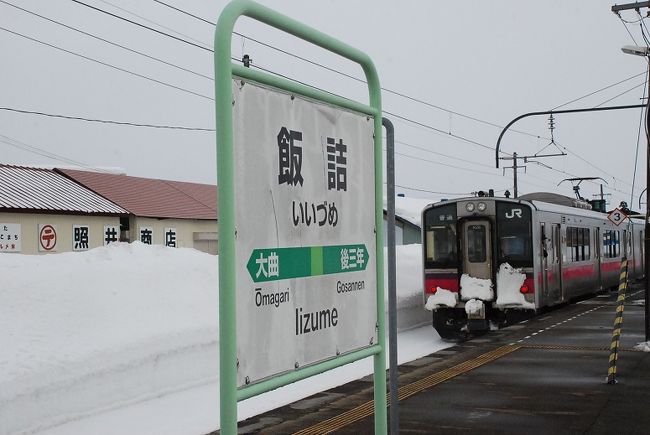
(546, 248)
(554, 265)
(477, 249)
(597, 249)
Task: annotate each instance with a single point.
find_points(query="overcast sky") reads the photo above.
(490, 61)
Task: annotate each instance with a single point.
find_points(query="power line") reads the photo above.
(207, 49)
(443, 155)
(412, 98)
(621, 94)
(156, 23)
(638, 138)
(598, 90)
(212, 99)
(108, 64)
(304, 59)
(432, 128)
(433, 191)
(44, 153)
(143, 26)
(108, 42)
(106, 121)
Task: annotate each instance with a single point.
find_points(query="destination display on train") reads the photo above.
(305, 231)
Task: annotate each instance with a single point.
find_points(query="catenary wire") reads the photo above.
(350, 76)
(156, 23)
(179, 39)
(196, 17)
(211, 98)
(105, 121)
(107, 41)
(398, 93)
(143, 26)
(109, 65)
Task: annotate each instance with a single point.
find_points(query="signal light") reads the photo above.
(524, 289)
(434, 289)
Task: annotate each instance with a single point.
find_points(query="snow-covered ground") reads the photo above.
(124, 339)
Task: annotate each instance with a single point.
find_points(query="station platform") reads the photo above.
(543, 376)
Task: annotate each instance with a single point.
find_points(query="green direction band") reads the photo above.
(273, 264)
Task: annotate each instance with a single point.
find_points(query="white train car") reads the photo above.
(487, 259)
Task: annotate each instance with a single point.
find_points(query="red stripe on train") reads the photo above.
(579, 271)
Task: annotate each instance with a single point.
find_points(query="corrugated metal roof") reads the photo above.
(148, 197)
(24, 188)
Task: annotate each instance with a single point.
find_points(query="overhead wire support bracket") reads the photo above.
(548, 112)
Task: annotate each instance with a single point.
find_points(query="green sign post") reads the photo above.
(268, 265)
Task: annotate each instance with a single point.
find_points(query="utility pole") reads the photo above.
(515, 167)
(643, 51)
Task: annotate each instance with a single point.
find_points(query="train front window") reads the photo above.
(476, 249)
(514, 234)
(440, 238)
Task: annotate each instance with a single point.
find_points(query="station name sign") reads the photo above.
(305, 231)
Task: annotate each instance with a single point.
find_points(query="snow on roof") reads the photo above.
(28, 188)
(149, 197)
(410, 209)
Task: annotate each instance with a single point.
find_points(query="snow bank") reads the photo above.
(509, 281)
(441, 298)
(475, 288)
(90, 331)
(409, 278)
(410, 208)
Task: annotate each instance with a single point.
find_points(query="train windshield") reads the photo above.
(514, 234)
(440, 238)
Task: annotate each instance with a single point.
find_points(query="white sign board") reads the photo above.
(617, 216)
(305, 221)
(10, 238)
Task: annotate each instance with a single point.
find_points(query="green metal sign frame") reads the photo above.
(224, 72)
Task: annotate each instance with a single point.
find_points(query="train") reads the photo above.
(489, 261)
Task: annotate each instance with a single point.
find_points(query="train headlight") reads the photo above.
(469, 207)
(481, 206)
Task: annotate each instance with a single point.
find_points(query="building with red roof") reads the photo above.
(161, 212)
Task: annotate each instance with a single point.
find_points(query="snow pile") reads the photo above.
(441, 298)
(410, 208)
(509, 281)
(409, 275)
(475, 288)
(473, 307)
(100, 329)
(643, 347)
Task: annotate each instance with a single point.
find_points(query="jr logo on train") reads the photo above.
(488, 261)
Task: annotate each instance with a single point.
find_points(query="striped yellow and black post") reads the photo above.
(618, 321)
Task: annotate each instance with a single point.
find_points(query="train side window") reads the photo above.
(578, 244)
(611, 243)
